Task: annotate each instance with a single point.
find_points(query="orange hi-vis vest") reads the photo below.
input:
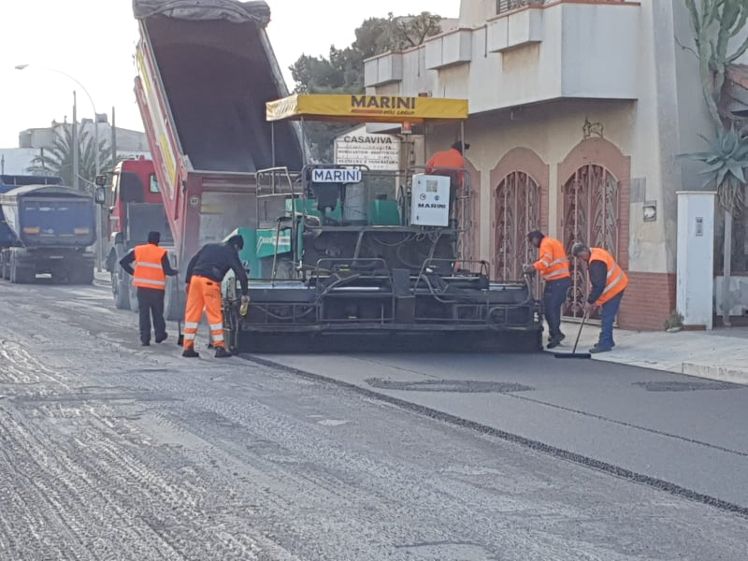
(449, 162)
(149, 271)
(553, 263)
(617, 280)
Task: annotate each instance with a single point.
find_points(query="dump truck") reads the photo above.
(52, 231)
(205, 71)
(137, 208)
(9, 182)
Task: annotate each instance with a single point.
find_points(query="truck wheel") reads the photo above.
(111, 261)
(4, 266)
(133, 295)
(120, 290)
(82, 276)
(174, 300)
(20, 274)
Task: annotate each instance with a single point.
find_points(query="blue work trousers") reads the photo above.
(554, 297)
(609, 313)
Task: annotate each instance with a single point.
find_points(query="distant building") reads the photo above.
(129, 142)
(15, 161)
(32, 142)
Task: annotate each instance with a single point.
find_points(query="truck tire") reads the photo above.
(4, 265)
(174, 300)
(82, 276)
(120, 290)
(133, 295)
(20, 274)
(120, 283)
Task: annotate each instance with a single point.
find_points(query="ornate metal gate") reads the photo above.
(517, 213)
(591, 199)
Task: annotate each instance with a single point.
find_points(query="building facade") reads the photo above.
(579, 113)
(33, 142)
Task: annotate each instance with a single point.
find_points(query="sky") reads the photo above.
(94, 41)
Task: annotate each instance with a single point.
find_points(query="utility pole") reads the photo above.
(114, 137)
(76, 144)
(99, 208)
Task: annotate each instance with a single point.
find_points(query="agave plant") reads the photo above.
(720, 42)
(726, 163)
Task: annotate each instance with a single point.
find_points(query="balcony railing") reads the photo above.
(504, 6)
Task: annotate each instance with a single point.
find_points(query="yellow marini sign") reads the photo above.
(367, 108)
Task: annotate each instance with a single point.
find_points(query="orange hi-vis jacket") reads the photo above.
(149, 270)
(449, 162)
(616, 281)
(552, 263)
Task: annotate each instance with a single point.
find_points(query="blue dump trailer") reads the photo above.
(47, 229)
(10, 182)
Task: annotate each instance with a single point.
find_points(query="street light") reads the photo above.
(93, 106)
(97, 161)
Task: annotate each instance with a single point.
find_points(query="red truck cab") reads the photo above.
(137, 208)
(133, 181)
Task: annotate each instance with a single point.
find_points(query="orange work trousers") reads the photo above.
(204, 295)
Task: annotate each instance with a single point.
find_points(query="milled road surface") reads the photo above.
(111, 452)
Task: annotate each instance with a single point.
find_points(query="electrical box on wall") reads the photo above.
(695, 262)
(430, 196)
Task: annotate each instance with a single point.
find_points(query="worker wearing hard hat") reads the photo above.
(553, 267)
(205, 273)
(149, 278)
(608, 284)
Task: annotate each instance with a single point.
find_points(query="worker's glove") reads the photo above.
(528, 269)
(589, 308)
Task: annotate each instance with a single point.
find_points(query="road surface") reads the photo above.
(109, 451)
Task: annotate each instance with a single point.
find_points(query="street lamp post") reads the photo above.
(97, 160)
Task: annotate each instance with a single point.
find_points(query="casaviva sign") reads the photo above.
(380, 152)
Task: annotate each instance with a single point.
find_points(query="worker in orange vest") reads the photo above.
(448, 159)
(608, 282)
(553, 266)
(149, 278)
(205, 273)
(450, 163)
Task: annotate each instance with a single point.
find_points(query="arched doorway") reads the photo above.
(591, 214)
(518, 211)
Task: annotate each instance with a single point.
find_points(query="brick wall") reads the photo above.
(648, 301)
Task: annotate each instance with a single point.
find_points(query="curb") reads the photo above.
(729, 374)
(718, 373)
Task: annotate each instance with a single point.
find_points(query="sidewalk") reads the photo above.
(721, 354)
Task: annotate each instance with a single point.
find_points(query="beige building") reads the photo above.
(578, 112)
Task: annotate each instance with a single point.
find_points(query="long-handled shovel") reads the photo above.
(574, 353)
(180, 336)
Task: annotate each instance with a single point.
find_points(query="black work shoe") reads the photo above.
(161, 338)
(597, 349)
(190, 353)
(145, 343)
(222, 353)
(561, 337)
(553, 343)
